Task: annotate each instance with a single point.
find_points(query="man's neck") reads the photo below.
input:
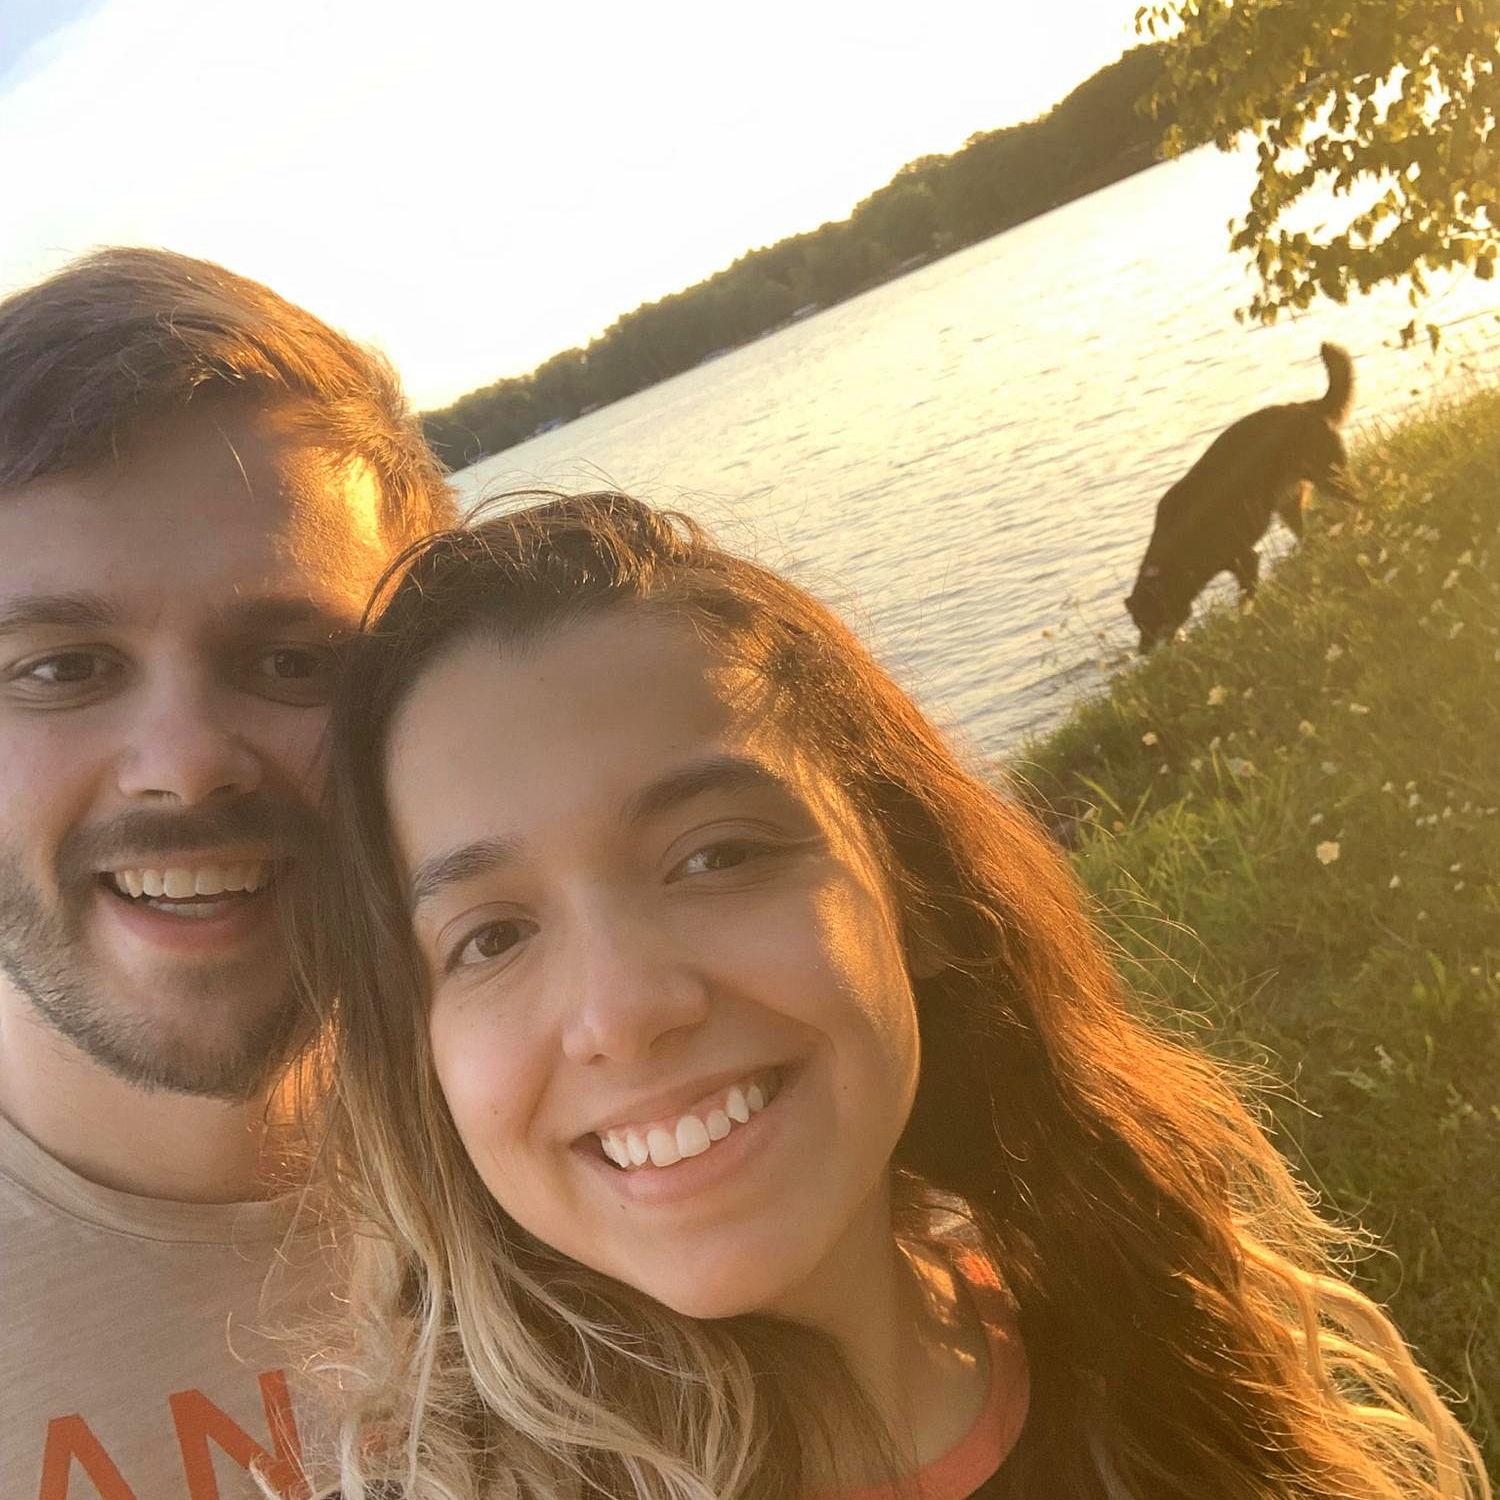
(155, 1144)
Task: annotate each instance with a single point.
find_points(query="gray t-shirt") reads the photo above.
(131, 1367)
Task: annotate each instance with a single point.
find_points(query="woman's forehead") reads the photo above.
(595, 713)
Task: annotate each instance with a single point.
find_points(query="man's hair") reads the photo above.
(124, 336)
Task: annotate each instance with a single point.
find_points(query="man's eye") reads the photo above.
(70, 666)
(493, 940)
(296, 663)
(65, 670)
(295, 674)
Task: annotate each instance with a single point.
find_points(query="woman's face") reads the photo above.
(670, 1007)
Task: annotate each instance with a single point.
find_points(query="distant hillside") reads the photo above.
(934, 205)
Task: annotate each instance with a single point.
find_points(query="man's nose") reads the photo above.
(632, 993)
(183, 746)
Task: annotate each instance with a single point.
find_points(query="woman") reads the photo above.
(734, 1100)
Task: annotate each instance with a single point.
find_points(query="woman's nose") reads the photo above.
(632, 993)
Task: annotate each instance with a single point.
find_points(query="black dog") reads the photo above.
(1210, 520)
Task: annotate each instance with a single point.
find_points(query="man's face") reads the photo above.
(168, 629)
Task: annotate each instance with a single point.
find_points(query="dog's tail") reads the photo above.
(1340, 395)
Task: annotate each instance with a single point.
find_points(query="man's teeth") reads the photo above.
(180, 882)
(671, 1141)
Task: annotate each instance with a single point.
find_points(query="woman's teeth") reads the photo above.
(665, 1143)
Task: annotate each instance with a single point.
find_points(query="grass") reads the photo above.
(1290, 821)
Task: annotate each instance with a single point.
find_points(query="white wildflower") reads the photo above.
(1395, 883)
(1216, 695)
(1150, 737)
(1333, 652)
(1358, 708)
(1327, 851)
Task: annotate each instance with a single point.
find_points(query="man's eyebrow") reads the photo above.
(33, 611)
(284, 611)
(84, 611)
(716, 773)
(466, 862)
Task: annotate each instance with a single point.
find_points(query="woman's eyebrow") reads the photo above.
(715, 773)
(466, 862)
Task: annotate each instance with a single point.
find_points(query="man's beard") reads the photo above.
(42, 953)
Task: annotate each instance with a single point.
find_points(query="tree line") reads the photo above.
(932, 206)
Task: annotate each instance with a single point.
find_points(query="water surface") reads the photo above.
(967, 461)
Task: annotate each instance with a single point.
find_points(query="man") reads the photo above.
(198, 485)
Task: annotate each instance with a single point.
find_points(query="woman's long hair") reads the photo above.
(1188, 1333)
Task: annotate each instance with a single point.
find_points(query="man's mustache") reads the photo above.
(286, 829)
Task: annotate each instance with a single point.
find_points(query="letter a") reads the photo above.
(199, 1421)
(70, 1438)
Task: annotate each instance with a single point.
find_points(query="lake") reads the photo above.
(966, 461)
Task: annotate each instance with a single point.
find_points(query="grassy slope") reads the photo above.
(1357, 707)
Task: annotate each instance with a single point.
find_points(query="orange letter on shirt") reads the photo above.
(198, 1421)
(70, 1438)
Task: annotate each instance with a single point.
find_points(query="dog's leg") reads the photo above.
(1289, 506)
(1247, 572)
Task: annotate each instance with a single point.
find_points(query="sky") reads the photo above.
(475, 186)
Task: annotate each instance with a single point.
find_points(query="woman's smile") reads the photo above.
(676, 1135)
(725, 1140)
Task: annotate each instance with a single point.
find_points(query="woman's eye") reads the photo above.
(493, 940)
(727, 854)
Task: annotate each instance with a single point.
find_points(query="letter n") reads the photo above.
(199, 1422)
(71, 1439)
